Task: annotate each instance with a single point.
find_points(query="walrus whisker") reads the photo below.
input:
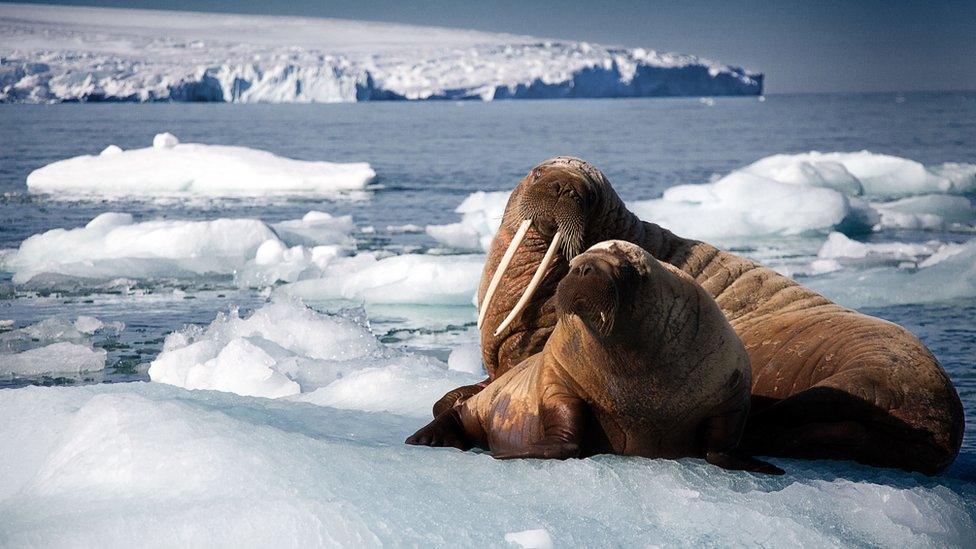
(500, 271)
(533, 284)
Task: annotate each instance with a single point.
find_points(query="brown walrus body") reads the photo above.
(827, 382)
(641, 362)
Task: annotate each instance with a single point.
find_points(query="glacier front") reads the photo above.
(64, 54)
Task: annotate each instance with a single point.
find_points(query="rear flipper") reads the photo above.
(445, 431)
(721, 438)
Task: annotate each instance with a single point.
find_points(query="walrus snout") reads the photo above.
(590, 292)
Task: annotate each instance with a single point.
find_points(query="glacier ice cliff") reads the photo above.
(66, 54)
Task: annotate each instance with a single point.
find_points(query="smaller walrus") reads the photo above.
(642, 362)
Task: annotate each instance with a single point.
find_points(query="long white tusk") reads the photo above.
(533, 284)
(500, 270)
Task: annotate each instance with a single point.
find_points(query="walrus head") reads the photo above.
(599, 281)
(559, 199)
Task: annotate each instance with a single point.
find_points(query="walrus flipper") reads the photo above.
(563, 421)
(445, 431)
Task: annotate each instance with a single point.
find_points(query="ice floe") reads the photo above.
(780, 195)
(481, 214)
(171, 168)
(151, 464)
(949, 273)
(410, 278)
(285, 348)
(114, 245)
(54, 345)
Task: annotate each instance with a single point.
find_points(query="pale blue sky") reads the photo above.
(818, 46)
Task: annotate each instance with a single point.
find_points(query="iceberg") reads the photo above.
(58, 53)
(171, 168)
(117, 465)
(285, 349)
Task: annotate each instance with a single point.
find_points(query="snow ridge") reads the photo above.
(65, 54)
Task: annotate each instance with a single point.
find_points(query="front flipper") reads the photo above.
(721, 437)
(445, 430)
(563, 421)
(457, 396)
(738, 462)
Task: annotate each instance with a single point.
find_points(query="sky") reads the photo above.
(801, 46)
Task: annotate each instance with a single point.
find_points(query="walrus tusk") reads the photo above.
(500, 271)
(533, 284)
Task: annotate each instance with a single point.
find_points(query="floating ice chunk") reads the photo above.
(535, 539)
(274, 262)
(840, 246)
(244, 368)
(926, 212)
(481, 214)
(411, 278)
(170, 168)
(742, 204)
(112, 245)
(948, 274)
(466, 358)
(61, 358)
(409, 385)
(54, 346)
(317, 228)
(165, 141)
(110, 150)
(877, 174)
(285, 348)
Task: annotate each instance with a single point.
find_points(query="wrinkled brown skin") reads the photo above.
(827, 383)
(641, 362)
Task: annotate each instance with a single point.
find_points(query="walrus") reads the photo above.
(641, 362)
(827, 382)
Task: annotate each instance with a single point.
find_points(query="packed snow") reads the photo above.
(171, 168)
(287, 349)
(55, 345)
(51, 54)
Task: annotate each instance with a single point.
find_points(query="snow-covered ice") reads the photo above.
(50, 54)
(171, 168)
(147, 464)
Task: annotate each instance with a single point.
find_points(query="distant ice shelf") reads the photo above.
(65, 54)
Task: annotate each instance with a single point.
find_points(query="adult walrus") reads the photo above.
(827, 383)
(641, 362)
